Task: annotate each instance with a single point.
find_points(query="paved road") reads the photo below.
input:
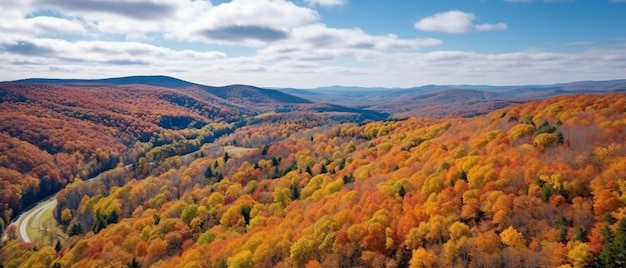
(25, 219)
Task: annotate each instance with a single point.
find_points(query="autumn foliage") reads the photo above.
(540, 184)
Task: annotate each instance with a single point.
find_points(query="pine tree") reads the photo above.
(619, 244)
(401, 191)
(133, 263)
(208, 173)
(295, 192)
(323, 169)
(57, 246)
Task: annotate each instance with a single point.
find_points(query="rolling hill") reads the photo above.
(448, 100)
(56, 131)
(239, 97)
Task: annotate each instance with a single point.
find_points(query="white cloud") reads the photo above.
(453, 21)
(491, 27)
(43, 25)
(285, 45)
(326, 2)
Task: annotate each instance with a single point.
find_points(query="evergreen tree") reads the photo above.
(295, 192)
(208, 173)
(76, 229)
(245, 212)
(323, 169)
(112, 218)
(133, 263)
(619, 244)
(57, 246)
(606, 257)
(581, 235)
(401, 191)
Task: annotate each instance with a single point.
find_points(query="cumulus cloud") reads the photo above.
(326, 2)
(285, 44)
(244, 22)
(236, 33)
(140, 9)
(455, 21)
(43, 25)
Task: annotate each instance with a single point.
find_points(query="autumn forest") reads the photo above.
(185, 175)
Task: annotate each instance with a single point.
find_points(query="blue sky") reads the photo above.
(311, 43)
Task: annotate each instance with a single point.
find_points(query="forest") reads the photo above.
(538, 184)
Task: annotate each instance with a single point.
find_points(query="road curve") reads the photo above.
(24, 219)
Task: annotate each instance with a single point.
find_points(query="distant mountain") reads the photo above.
(241, 94)
(369, 102)
(238, 97)
(448, 100)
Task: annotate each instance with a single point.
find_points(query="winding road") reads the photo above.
(33, 214)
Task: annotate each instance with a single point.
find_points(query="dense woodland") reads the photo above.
(540, 184)
(51, 135)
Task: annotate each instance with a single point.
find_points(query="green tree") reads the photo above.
(295, 192)
(76, 229)
(264, 149)
(581, 235)
(57, 246)
(614, 250)
(401, 191)
(323, 168)
(245, 212)
(133, 263)
(208, 173)
(189, 212)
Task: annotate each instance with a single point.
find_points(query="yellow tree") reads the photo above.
(422, 258)
(513, 238)
(242, 259)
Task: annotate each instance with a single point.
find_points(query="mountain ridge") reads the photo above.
(426, 100)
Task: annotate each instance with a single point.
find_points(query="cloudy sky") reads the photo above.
(311, 43)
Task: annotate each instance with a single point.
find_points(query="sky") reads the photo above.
(314, 43)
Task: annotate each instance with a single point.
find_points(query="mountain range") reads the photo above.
(366, 102)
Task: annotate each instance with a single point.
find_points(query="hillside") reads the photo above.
(56, 131)
(535, 184)
(448, 100)
(55, 134)
(238, 97)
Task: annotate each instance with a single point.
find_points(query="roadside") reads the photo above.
(37, 223)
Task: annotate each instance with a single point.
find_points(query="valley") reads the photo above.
(189, 175)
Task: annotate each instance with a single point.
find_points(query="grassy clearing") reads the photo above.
(44, 228)
(237, 151)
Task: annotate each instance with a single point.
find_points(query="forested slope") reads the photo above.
(51, 135)
(538, 184)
